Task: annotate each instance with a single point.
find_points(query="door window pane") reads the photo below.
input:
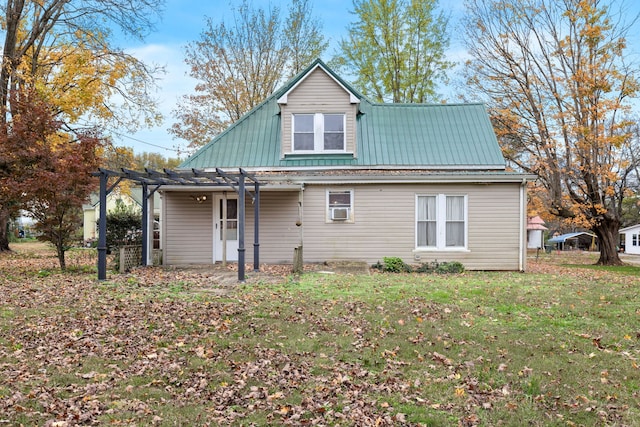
(232, 219)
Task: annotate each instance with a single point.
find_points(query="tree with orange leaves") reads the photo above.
(556, 79)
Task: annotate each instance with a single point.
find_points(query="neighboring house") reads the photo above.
(91, 210)
(348, 179)
(631, 239)
(571, 241)
(535, 232)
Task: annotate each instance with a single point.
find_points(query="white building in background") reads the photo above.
(631, 239)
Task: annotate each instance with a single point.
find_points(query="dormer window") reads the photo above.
(319, 132)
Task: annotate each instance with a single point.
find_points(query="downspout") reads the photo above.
(298, 257)
(523, 200)
(301, 214)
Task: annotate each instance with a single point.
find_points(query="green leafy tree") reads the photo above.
(630, 211)
(396, 50)
(556, 77)
(239, 64)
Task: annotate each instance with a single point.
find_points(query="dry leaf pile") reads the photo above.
(193, 347)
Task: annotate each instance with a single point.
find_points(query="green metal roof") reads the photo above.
(451, 136)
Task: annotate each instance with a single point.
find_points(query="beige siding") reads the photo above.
(187, 229)
(318, 93)
(384, 225)
(279, 234)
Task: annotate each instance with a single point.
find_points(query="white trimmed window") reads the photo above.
(318, 132)
(340, 205)
(441, 222)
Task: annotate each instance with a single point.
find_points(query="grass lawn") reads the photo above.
(556, 346)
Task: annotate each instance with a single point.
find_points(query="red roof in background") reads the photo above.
(535, 223)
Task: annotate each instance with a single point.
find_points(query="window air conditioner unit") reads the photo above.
(339, 214)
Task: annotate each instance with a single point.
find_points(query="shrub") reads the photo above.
(452, 267)
(427, 267)
(124, 226)
(395, 265)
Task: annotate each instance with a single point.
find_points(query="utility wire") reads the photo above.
(121, 135)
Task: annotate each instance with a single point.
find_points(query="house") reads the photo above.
(535, 232)
(579, 240)
(343, 178)
(91, 209)
(631, 239)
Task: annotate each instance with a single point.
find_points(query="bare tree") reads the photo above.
(239, 64)
(556, 79)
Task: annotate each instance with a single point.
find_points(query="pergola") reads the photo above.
(152, 180)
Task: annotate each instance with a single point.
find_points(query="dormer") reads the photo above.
(318, 116)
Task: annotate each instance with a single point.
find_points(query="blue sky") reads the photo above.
(182, 23)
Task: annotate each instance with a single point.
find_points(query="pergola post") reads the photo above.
(256, 227)
(150, 203)
(102, 228)
(145, 224)
(241, 217)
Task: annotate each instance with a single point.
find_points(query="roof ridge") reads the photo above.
(425, 104)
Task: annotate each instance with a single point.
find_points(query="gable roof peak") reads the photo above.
(354, 98)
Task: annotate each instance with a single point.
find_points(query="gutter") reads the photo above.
(440, 178)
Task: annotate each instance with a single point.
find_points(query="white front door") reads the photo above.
(226, 228)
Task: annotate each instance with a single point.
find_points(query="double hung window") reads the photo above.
(318, 132)
(441, 221)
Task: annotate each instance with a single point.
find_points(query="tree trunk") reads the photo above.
(4, 225)
(12, 17)
(61, 259)
(608, 239)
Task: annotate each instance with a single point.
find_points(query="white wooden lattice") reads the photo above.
(130, 256)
